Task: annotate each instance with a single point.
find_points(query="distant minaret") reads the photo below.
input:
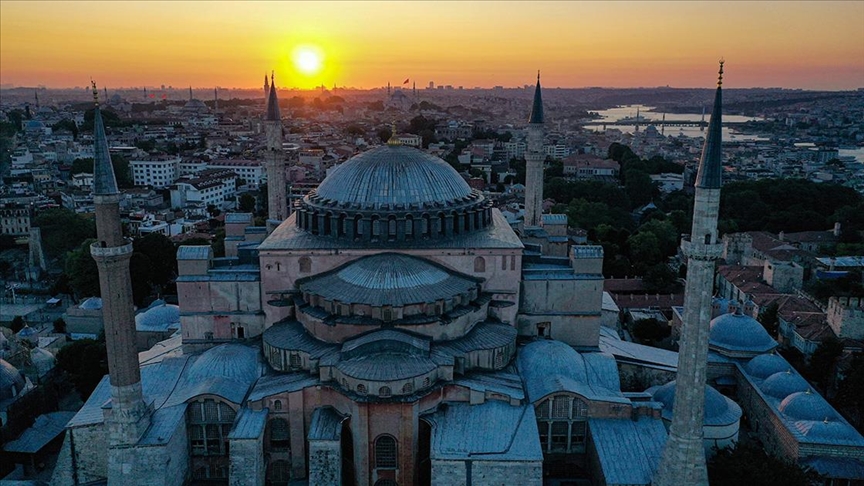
(190, 93)
(637, 119)
(702, 123)
(266, 87)
(663, 125)
(216, 101)
(534, 158)
(415, 91)
(36, 95)
(145, 93)
(683, 460)
(388, 89)
(128, 416)
(277, 207)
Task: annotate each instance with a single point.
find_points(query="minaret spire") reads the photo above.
(190, 92)
(534, 158)
(277, 206)
(266, 86)
(128, 416)
(683, 459)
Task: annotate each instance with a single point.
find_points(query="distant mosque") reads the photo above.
(395, 330)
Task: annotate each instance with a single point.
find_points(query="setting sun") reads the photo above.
(307, 60)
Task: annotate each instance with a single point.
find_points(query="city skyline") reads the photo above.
(805, 45)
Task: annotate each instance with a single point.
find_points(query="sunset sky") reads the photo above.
(811, 45)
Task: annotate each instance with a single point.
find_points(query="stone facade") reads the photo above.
(846, 317)
(492, 473)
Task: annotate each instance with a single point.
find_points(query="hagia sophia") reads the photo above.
(392, 328)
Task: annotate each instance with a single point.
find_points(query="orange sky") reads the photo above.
(811, 45)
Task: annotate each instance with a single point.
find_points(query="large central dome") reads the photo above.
(390, 194)
(393, 175)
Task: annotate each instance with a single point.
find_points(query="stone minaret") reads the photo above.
(266, 87)
(128, 416)
(683, 460)
(277, 206)
(534, 158)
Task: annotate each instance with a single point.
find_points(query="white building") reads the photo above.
(83, 181)
(668, 182)
(158, 171)
(212, 186)
(250, 170)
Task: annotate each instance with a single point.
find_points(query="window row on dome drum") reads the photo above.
(392, 227)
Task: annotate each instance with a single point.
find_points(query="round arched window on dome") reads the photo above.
(408, 388)
(361, 389)
(384, 392)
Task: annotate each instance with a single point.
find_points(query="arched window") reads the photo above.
(208, 425)
(426, 382)
(561, 421)
(409, 226)
(386, 451)
(479, 264)
(294, 360)
(277, 405)
(280, 439)
(408, 388)
(499, 359)
(384, 391)
(361, 389)
(280, 473)
(391, 227)
(305, 264)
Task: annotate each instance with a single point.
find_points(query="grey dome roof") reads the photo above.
(829, 431)
(11, 380)
(389, 279)
(807, 406)
(93, 303)
(765, 365)
(719, 410)
(739, 333)
(781, 385)
(159, 316)
(393, 175)
(233, 361)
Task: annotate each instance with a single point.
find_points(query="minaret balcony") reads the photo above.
(701, 251)
(99, 251)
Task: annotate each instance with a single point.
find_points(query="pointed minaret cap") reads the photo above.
(104, 182)
(272, 102)
(711, 164)
(537, 107)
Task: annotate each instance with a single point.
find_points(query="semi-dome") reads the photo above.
(393, 193)
(233, 361)
(12, 382)
(765, 365)
(738, 334)
(719, 410)
(807, 406)
(781, 385)
(159, 316)
(390, 279)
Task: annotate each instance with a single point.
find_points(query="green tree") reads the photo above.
(850, 391)
(66, 124)
(246, 202)
(661, 279)
(639, 187)
(768, 319)
(749, 464)
(63, 230)
(822, 360)
(666, 233)
(7, 242)
(384, 133)
(162, 254)
(59, 326)
(85, 362)
(82, 271)
(141, 270)
(644, 251)
(17, 324)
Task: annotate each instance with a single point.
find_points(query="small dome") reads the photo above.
(159, 316)
(12, 382)
(93, 303)
(27, 331)
(765, 365)
(394, 175)
(781, 385)
(719, 410)
(830, 430)
(738, 333)
(229, 360)
(807, 406)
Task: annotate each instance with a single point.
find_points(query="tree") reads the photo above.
(17, 324)
(666, 233)
(7, 242)
(162, 254)
(644, 250)
(660, 279)
(384, 134)
(823, 358)
(82, 271)
(59, 326)
(749, 464)
(650, 329)
(639, 187)
(141, 268)
(768, 319)
(66, 124)
(63, 230)
(246, 202)
(850, 391)
(86, 362)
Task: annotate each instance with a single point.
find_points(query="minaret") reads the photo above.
(190, 93)
(36, 95)
(128, 416)
(388, 89)
(266, 87)
(216, 101)
(277, 207)
(683, 460)
(534, 158)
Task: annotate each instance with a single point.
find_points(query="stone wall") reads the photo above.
(487, 473)
(247, 462)
(325, 463)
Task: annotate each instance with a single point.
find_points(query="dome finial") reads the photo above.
(394, 139)
(95, 92)
(720, 73)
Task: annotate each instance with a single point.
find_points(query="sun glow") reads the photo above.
(308, 60)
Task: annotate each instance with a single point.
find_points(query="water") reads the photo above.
(619, 112)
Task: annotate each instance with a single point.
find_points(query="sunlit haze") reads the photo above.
(811, 45)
